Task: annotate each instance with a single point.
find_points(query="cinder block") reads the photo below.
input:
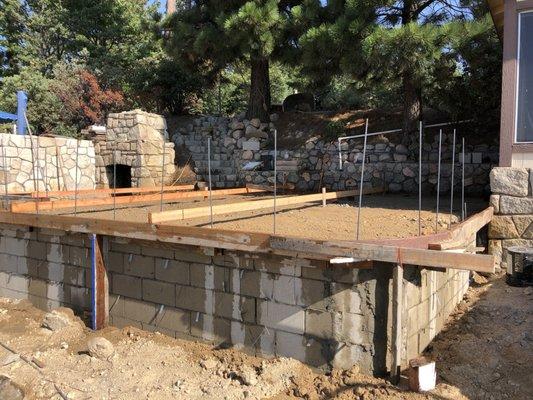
(126, 248)
(254, 283)
(62, 273)
(348, 355)
(344, 298)
(116, 305)
(241, 261)
(37, 250)
(115, 262)
(48, 290)
(211, 328)
(319, 323)
(191, 256)
(128, 286)
(80, 256)
(141, 266)
(232, 306)
(174, 319)
(15, 246)
(172, 271)
(278, 266)
(194, 299)
(159, 292)
(291, 345)
(8, 263)
(157, 252)
(140, 311)
(351, 328)
(312, 293)
(281, 316)
(57, 253)
(78, 296)
(18, 283)
(210, 277)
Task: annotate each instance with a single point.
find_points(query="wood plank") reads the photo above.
(461, 234)
(250, 241)
(20, 207)
(397, 307)
(100, 285)
(188, 213)
(65, 193)
(392, 254)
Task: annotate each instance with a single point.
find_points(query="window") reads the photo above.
(524, 112)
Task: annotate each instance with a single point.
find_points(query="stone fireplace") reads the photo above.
(133, 151)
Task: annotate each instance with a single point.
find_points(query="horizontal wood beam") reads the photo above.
(188, 213)
(391, 254)
(252, 241)
(66, 193)
(27, 206)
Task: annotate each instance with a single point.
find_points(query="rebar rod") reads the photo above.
(76, 177)
(115, 183)
(210, 185)
(453, 176)
(463, 184)
(420, 139)
(4, 162)
(162, 176)
(438, 182)
(275, 176)
(361, 182)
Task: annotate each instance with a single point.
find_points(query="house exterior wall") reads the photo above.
(512, 154)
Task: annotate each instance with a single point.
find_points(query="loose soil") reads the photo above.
(484, 353)
(382, 216)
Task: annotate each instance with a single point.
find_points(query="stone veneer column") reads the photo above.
(512, 199)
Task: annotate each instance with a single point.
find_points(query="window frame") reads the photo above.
(517, 93)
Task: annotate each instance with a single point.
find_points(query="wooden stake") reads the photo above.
(397, 294)
(323, 197)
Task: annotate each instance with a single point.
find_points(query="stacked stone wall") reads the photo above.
(266, 305)
(512, 199)
(45, 163)
(236, 142)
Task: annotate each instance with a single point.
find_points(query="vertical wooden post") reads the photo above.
(397, 304)
(323, 197)
(100, 285)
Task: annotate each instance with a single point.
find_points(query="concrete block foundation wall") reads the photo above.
(29, 164)
(512, 199)
(263, 304)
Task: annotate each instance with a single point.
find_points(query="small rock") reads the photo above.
(9, 359)
(248, 376)
(58, 319)
(100, 347)
(9, 390)
(208, 364)
(255, 122)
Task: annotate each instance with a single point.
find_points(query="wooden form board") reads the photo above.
(100, 285)
(252, 242)
(68, 193)
(188, 213)
(456, 237)
(28, 206)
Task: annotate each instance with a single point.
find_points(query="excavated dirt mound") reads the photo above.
(485, 353)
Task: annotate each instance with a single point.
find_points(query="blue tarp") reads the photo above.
(7, 116)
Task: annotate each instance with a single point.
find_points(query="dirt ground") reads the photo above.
(485, 353)
(382, 216)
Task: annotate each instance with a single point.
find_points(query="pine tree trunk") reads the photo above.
(259, 102)
(412, 107)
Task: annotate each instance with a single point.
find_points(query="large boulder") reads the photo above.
(59, 319)
(509, 181)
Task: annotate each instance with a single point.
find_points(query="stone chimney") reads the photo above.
(171, 7)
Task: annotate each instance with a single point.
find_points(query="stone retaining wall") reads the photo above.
(236, 142)
(37, 163)
(265, 305)
(512, 200)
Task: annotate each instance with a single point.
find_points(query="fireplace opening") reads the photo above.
(123, 178)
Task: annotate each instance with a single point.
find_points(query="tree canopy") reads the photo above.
(241, 55)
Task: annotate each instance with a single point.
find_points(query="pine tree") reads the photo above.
(12, 18)
(211, 35)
